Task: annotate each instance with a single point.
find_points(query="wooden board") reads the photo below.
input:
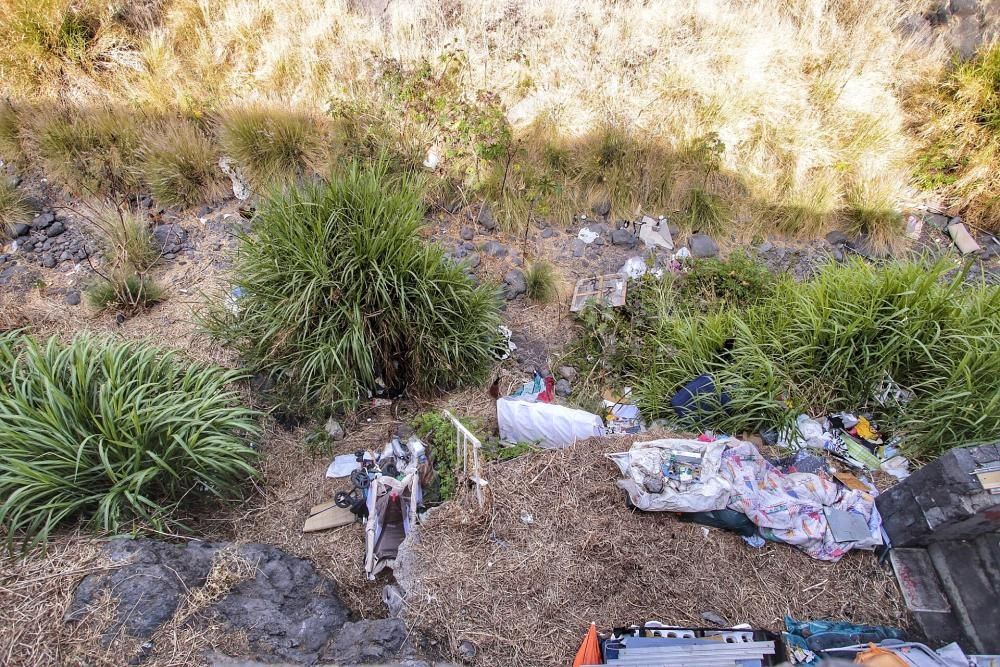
(990, 480)
(607, 290)
(326, 516)
(850, 481)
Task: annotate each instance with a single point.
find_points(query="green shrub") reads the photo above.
(825, 345)
(110, 432)
(13, 208)
(340, 293)
(272, 146)
(542, 282)
(180, 165)
(129, 292)
(91, 152)
(714, 284)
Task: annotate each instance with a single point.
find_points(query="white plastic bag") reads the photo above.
(552, 426)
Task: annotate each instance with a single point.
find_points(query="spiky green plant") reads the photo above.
(339, 292)
(541, 281)
(127, 291)
(127, 240)
(14, 208)
(111, 432)
(179, 164)
(272, 146)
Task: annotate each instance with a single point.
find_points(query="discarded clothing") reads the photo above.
(725, 519)
(731, 474)
(699, 396)
(819, 636)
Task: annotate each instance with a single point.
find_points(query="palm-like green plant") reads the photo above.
(113, 432)
(339, 293)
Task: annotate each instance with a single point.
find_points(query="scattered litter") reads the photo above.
(526, 518)
(714, 619)
(914, 226)
(634, 268)
(621, 416)
(343, 466)
(850, 481)
(682, 253)
(962, 238)
(655, 235)
(699, 396)
(506, 346)
(587, 235)
(241, 190)
(695, 476)
(607, 290)
(527, 419)
(654, 643)
(806, 641)
(898, 466)
(846, 526)
(538, 389)
(433, 158)
(326, 516)
(232, 300)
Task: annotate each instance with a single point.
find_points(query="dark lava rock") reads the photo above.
(55, 229)
(702, 245)
(367, 642)
(578, 247)
(836, 238)
(42, 220)
(602, 208)
(563, 388)
(548, 233)
(169, 235)
(467, 233)
(21, 229)
(473, 260)
(623, 237)
(494, 249)
(73, 298)
(485, 218)
(48, 261)
(514, 284)
(288, 611)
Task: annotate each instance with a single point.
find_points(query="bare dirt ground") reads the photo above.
(522, 593)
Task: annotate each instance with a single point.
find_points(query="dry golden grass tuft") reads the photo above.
(606, 101)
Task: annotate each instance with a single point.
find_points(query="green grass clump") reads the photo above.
(130, 292)
(14, 209)
(437, 431)
(340, 292)
(542, 282)
(736, 282)
(91, 152)
(822, 346)
(180, 165)
(961, 156)
(871, 213)
(110, 432)
(706, 211)
(272, 146)
(10, 134)
(128, 241)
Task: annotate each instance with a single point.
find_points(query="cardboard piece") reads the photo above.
(850, 481)
(326, 516)
(963, 239)
(608, 290)
(655, 235)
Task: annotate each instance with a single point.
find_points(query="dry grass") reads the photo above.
(525, 593)
(607, 100)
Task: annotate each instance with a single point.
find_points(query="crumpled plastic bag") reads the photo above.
(709, 491)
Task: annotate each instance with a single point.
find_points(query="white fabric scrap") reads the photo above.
(587, 235)
(342, 466)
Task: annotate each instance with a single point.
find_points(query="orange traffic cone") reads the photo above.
(590, 649)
